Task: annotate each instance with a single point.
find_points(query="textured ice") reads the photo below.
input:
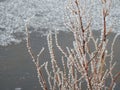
(46, 14)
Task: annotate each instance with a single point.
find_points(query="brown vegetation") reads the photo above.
(81, 65)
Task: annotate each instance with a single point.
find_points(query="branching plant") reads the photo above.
(82, 66)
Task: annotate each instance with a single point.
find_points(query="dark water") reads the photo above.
(18, 71)
(2, 0)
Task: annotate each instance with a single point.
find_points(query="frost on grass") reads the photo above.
(46, 14)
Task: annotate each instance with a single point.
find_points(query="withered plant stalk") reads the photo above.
(82, 66)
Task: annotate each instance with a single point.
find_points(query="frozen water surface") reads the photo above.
(46, 14)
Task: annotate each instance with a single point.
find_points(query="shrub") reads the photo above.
(81, 64)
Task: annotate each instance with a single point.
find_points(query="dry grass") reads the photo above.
(81, 65)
